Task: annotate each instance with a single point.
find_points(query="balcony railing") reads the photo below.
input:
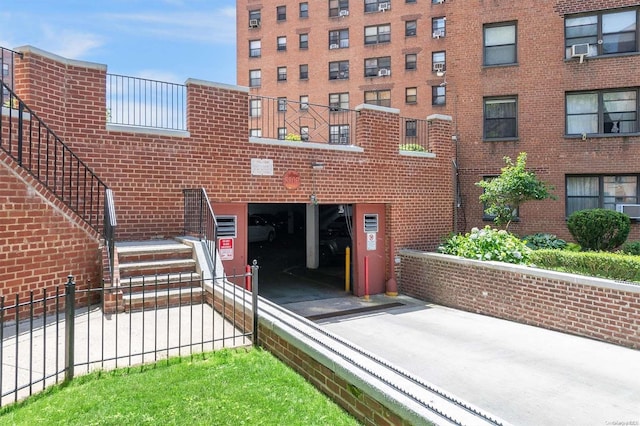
(415, 135)
(279, 118)
(140, 102)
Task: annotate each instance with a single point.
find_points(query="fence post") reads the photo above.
(69, 326)
(254, 300)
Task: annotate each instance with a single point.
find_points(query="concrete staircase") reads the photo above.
(157, 274)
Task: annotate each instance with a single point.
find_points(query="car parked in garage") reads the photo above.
(260, 230)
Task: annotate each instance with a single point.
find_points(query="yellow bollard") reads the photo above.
(347, 270)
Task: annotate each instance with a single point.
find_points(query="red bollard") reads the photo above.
(247, 278)
(366, 278)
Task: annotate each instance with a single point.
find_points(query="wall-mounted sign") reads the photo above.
(261, 167)
(371, 241)
(291, 179)
(225, 248)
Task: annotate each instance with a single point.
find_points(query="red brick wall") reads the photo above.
(41, 240)
(600, 309)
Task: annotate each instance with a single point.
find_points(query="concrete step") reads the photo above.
(160, 267)
(152, 300)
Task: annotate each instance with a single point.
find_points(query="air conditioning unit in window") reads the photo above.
(343, 13)
(343, 140)
(383, 72)
(254, 23)
(631, 210)
(384, 7)
(438, 33)
(438, 66)
(439, 1)
(334, 46)
(580, 51)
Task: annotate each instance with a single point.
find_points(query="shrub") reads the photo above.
(631, 247)
(544, 241)
(487, 244)
(599, 229)
(412, 147)
(293, 137)
(596, 264)
(573, 247)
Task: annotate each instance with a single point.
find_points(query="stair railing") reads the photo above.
(110, 224)
(200, 221)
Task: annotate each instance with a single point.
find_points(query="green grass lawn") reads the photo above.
(227, 387)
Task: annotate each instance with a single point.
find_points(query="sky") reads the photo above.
(166, 40)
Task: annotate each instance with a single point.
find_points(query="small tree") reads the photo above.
(505, 193)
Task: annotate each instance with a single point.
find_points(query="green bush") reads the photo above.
(544, 241)
(412, 147)
(597, 264)
(599, 229)
(573, 247)
(487, 244)
(631, 247)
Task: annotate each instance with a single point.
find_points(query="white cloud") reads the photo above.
(70, 44)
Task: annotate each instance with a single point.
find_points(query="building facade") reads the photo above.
(555, 79)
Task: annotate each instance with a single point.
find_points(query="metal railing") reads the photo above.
(279, 118)
(7, 63)
(52, 338)
(37, 149)
(199, 221)
(140, 102)
(414, 135)
(110, 225)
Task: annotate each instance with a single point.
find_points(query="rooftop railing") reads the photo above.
(415, 135)
(7, 63)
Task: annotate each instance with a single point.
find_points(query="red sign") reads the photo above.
(225, 248)
(291, 179)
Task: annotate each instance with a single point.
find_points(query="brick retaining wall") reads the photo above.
(601, 309)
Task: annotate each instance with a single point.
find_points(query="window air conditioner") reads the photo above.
(580, 51)
(343, 140)
(438, 66)
(439, 1)
(344, 12)
(631, 210)
(384, 6)
(384, 72)
(334, 46)
(438, 34)
(254, 23)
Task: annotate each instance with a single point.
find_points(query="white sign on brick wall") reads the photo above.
(261, 167)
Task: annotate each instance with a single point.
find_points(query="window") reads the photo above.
(254, 18)
(378, 97)
(282, 133)
(606, 33)
(500, 118)
(600, 191)
(500, 44)
(255, 48)
(411, 95)
(338, 8)
(602, 111)
(282, 73)
(304, 102)
(255, 107)
(515, 213)
(377, 34)
(282, 104)
(410, 128)
(255, 78)
(410, 61)
(438, 95)
(338, 101)
(374, 67)
(304, 133)
(256, 133)
(438, 61)
(338, 70)
(304, 72)
(304, 41)
(437, 1)
(281, 13)
(376, 5)
(339, 39)
(438, 26)
(282, 43)
(410, 28)
(304, 10)
(339, 134)
(409, 1)
(5, 68)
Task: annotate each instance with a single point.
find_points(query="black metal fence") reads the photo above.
(140, 102)
(415, 135)
(199, 221)
(56, 333)
(7, 64)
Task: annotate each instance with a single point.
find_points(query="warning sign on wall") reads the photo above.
(371, 241)
(225, 248)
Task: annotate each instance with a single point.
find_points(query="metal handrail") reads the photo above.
(110, 225)
(200, 221)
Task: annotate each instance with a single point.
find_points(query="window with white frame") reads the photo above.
(282, 73)
(282, 43)
(282, 104)
(438, 95)
(602, 111)
(439, 61)
(377, 34)
(338, 101)
(374, 67)
(255, 48)
(376, 5)
(500, 44)
(256, 133)
(339, 70)
(281, 13)
(410, 61)
(254, 18)
(410, 28)
(439, 26)
(339, 39)
(304, 102)
(338, 8)
(304, 72)
(500, 118)
(600, 191)
(282, 133)
(605, 33)
(255, 78)
(255, 107)
(304, 10)
(339, 134)
(304, 133)
(378, 97)
(411, 95)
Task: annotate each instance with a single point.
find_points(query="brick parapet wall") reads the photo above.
(585, 306)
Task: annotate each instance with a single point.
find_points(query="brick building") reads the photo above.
(556, 79)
